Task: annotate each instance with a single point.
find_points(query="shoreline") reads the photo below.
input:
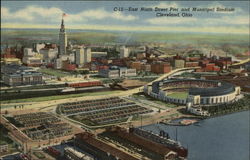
(199, 118)
(228, 113)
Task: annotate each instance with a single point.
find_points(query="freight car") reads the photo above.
(84, 84)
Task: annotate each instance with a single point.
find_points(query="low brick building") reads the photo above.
(161, 68)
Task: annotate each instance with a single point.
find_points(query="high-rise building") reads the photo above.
(82, 56)
(79, 56)
(49, 54)
(62, 39)
(87, 55)
(124, 52)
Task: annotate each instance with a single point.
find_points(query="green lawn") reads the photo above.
(48, 98)
(54, 72)
(180, 95)
(168, 105)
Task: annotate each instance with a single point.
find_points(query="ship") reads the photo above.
(162, 138)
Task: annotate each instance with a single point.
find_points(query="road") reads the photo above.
(156, 118)
(48, 105)
(241, 62)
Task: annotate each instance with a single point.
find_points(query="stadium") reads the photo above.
(193, 92)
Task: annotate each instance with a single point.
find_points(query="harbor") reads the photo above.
(227, 134)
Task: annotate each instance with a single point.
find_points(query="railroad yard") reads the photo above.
(89, 122)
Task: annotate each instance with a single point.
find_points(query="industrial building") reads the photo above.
(101, 149)
(16, 75)
(148, 146)
(119, 143)
(116, 72)
(72, 154)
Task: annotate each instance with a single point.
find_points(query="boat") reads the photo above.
(164, 139)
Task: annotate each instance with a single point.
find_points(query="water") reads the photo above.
(220, 138)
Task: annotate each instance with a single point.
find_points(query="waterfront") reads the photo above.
(219, 138)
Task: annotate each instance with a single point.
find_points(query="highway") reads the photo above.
(241, 62)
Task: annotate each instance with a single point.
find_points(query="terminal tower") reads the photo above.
(62, 39)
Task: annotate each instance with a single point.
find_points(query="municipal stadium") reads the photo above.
(193, 92)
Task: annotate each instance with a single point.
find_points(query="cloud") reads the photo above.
(40, 14)
(202, 22)
(99, 14)
(31, 13)
(120, 16)
(228, 20)
(170, 20)
(165, 5)
(215, 5)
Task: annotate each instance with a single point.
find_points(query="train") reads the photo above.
(84, 84)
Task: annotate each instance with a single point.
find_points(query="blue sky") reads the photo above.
(100, 15)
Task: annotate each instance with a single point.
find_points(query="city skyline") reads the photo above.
(101, 16)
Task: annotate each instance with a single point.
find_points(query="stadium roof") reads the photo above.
(222, 89)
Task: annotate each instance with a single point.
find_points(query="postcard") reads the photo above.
(127, 80)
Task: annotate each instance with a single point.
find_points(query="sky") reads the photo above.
(100, 15)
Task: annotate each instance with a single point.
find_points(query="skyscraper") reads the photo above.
(79, 56)
(62, 39)
(124, 52)
(82, 56)
(87, 55)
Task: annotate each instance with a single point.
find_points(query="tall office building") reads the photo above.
(79, 56)
(62, 39)
(124, 52)
(87, 55)
(82, 56)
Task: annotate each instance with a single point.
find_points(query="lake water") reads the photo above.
(220, 138)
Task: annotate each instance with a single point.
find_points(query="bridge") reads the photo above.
(241, 62)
